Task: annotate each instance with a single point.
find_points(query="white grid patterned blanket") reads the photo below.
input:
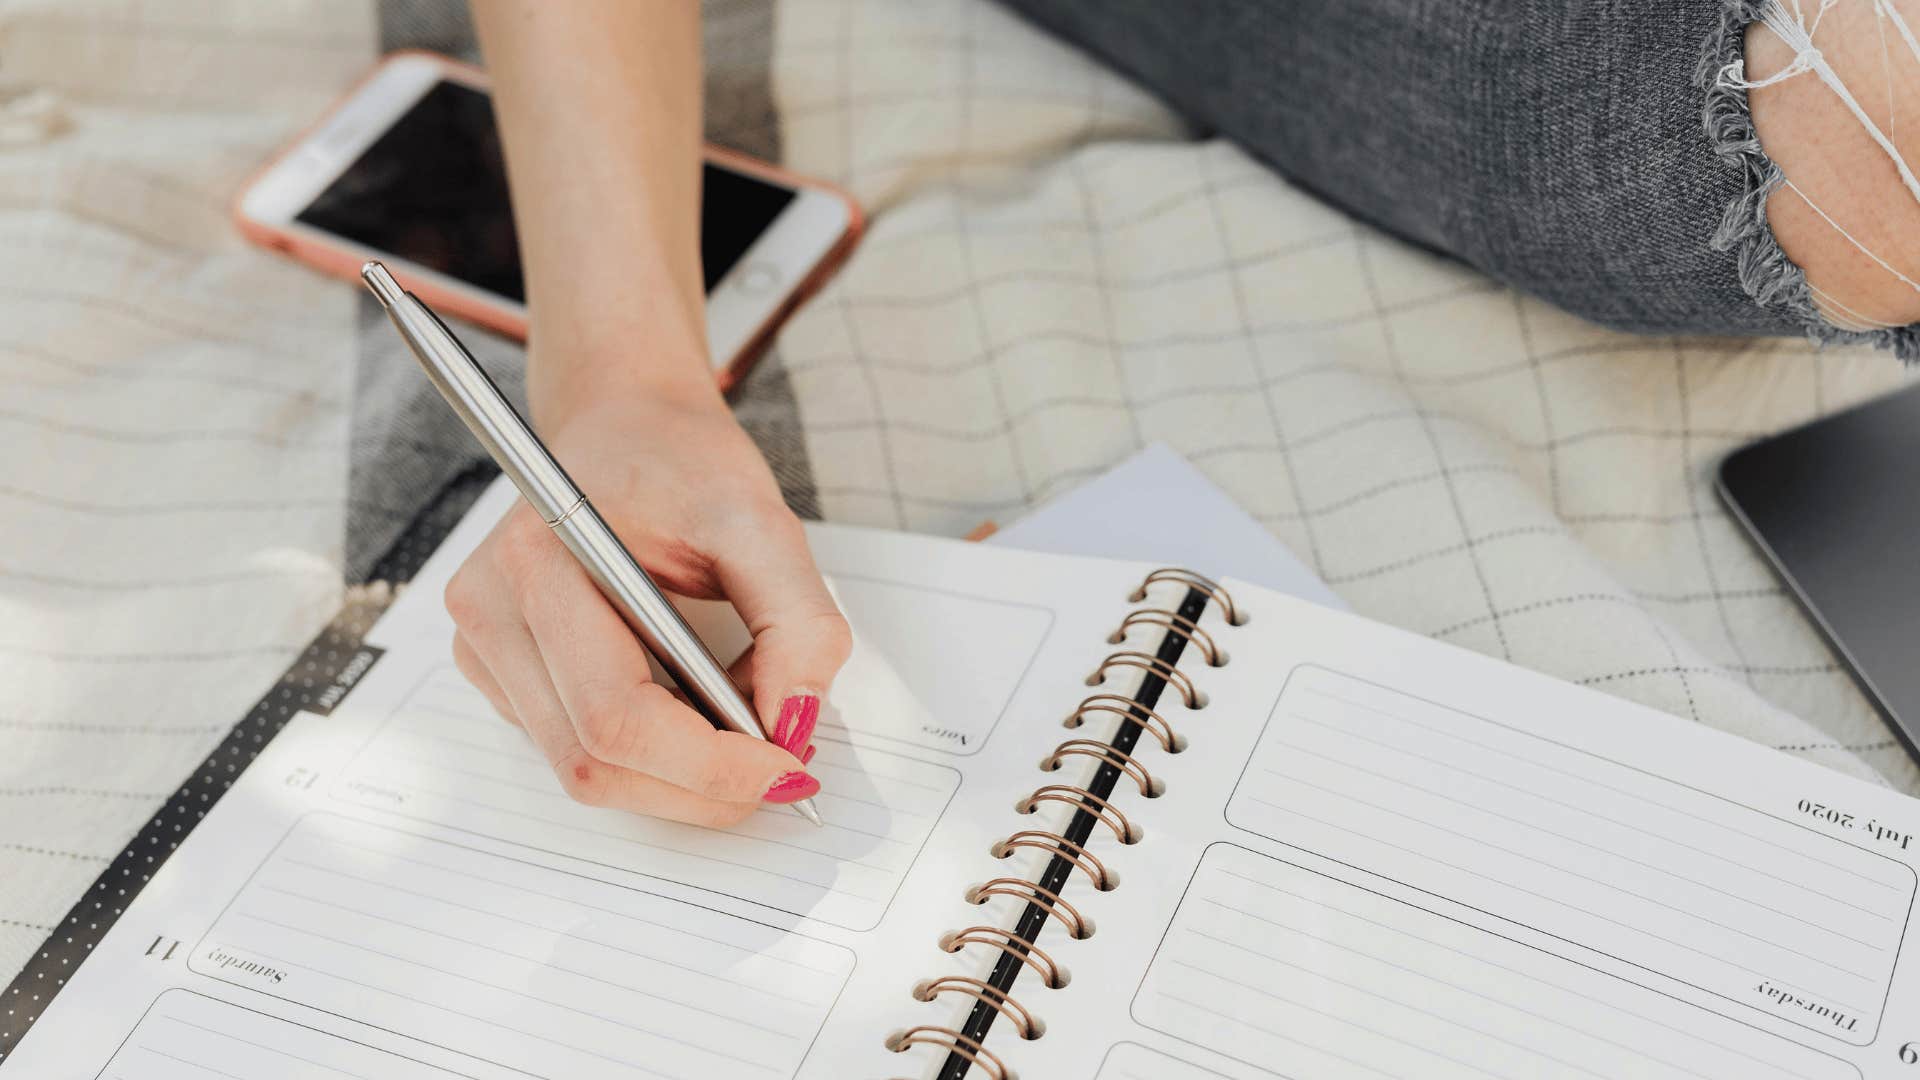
(1055, 275)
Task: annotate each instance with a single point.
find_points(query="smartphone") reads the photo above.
(407, 168)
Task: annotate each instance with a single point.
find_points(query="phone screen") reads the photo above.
(433, 189)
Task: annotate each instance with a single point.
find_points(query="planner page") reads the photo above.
(398, 887)
(1381, 856)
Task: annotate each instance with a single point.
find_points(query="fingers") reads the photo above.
(791, 735)
(596, 783)
(584, 779)
(614, 737)
(620, 715)
(475, 670)
(741, 670)
(800, 639)
(511, 673)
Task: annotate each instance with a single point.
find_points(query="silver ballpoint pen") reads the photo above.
(546, 487)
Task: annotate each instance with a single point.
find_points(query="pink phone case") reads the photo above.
(339, 261)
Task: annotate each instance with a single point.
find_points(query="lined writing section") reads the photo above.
(899, 682)
(1131, 1061)
(903, 683)
(1301, 974)
(188, 1036)
(515, 964)
(1601, 856)
(444, 756)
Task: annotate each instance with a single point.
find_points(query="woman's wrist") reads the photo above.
(568, 376)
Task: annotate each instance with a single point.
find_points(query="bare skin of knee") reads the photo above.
(1809, 132)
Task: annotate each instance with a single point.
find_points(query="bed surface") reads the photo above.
(1056, 274)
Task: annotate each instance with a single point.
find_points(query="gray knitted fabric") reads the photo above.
(1578, 152)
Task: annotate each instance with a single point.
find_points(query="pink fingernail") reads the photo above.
(792, 787)
(799, 714)
(807, 758)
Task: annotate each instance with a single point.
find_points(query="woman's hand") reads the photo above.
(690, 496)
(599, 110)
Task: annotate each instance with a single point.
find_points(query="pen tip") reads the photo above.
(387, 290)
(806, 810)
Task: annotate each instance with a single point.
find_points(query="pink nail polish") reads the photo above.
(792, 787)
(799, 714)
(807, 758)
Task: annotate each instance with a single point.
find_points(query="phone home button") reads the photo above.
(759, 278)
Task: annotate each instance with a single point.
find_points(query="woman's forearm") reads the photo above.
(599, 110)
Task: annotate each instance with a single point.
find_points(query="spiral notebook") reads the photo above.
(1086, 819)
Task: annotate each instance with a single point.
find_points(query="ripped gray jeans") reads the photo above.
(1576, 151)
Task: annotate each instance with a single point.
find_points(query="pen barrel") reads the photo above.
(654, 619)
(478, 402)
(547, 488)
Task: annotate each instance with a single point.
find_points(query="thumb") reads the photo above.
(800, 639)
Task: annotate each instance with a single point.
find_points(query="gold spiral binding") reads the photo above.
(1111, 755)
(1205, 584)
(934, 1035)
(1104, 880)
(1175, 678)
(1126, 709)
(1081, 799)
(999, 937)
(1079, 927)
(1052, 974)
(981, 990)
(1176, 624)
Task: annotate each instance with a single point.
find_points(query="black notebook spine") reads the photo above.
(1140, 717)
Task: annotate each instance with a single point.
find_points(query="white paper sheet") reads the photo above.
(1155, 506)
